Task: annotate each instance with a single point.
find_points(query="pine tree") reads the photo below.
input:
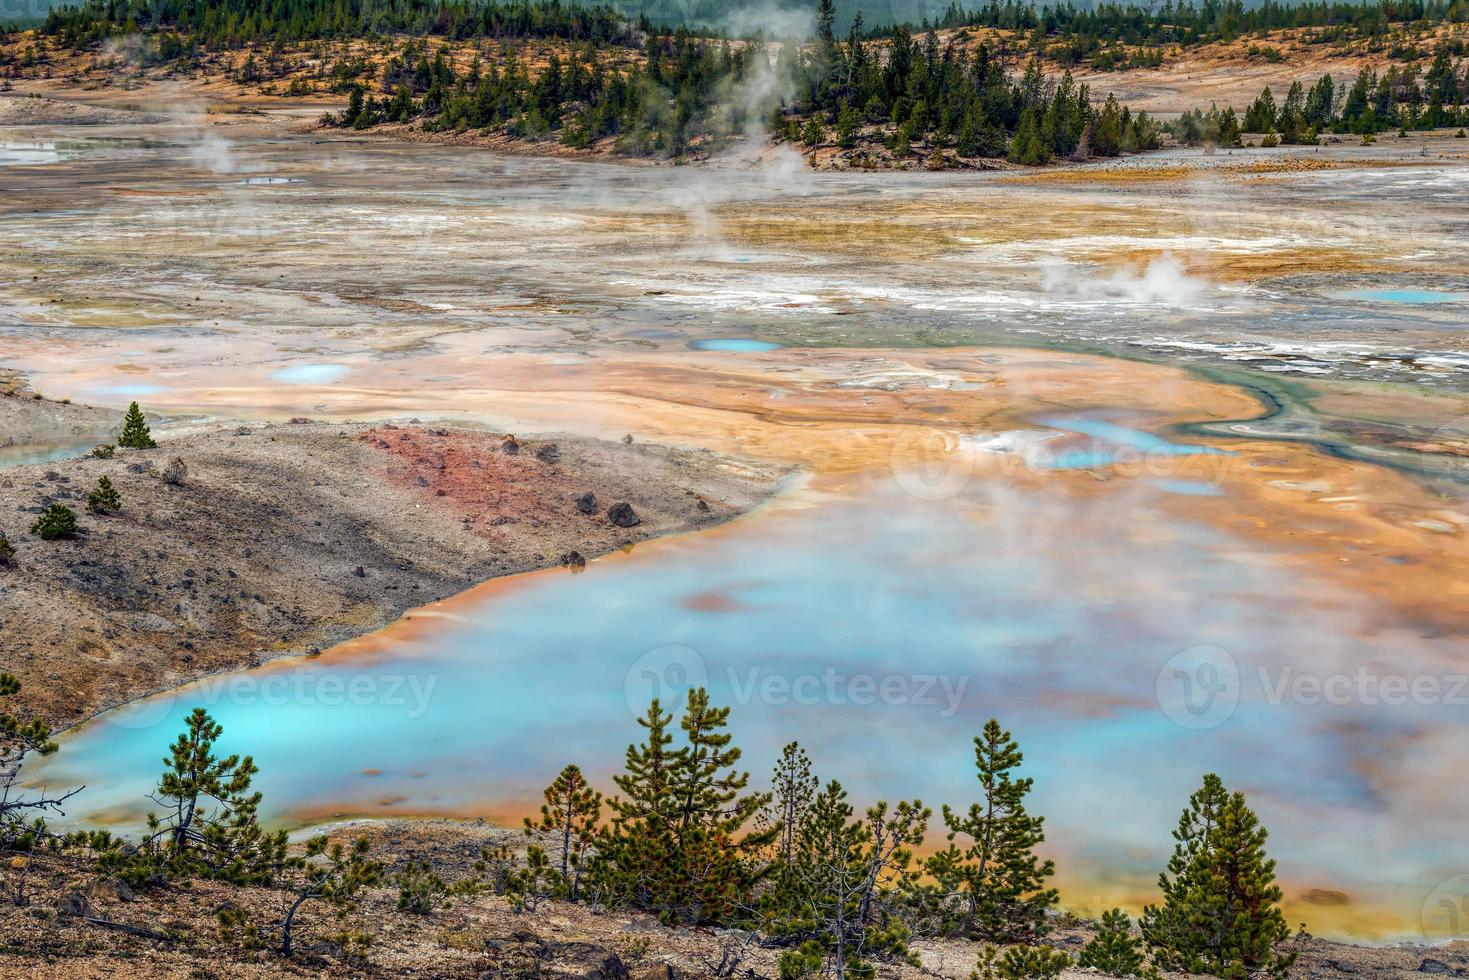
(814, 134)
(56, 521)
(135, 433)
(329, 873)
(1219, 914)
(1261, 115)
(572, 812)
(849, 877)
(849, 124)
(104, 499)
(1113, 950)
(674, 846)
(793, 788)
(994, 888)
(212, 829)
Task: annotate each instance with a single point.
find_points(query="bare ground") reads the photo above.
(286, 539)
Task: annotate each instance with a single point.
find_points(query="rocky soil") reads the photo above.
(35, 110)
(73, 926)
(275, 540)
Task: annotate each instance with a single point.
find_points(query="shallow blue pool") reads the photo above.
(1411, 296)
(310, 374)
(741, 344)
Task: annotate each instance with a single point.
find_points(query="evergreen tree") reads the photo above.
(56, 521)
(674, 846)
(210, 829)
(1020, 963)
(994, 888)
(1261, 116)
(1113, 950)
(330, 873)
(849, 879)
(1219, 914)
(572, 812)
(1107, 137)
(20, 813)
(135, 433)
(104, 499)
(849, 124)
(793, 788)
(814, 134)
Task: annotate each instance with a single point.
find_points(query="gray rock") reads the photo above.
(71, 904)
(586, 503)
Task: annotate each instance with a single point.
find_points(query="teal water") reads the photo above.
(1111, 444)
(881, 631)
(737, 344)
(1411, 296)
(50, 453)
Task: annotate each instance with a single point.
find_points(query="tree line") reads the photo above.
(683, 837)
(1399, 98)
(224, 24)
(690, 89)
(1188, 24)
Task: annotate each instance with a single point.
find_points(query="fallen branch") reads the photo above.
(130, 930)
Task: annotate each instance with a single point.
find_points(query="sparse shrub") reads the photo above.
(534, 883)
(104, 452)
(235, 928)
(1114, 951)
(420, 891)
(7, 550)
(135, 432)
(803, 962)
(1020, 963)
(176, 472)
(1269, 141)
(104, 499)
(56, 521)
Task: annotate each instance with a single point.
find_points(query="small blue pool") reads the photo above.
(1412, 296)
(310, 374)
(743, 344)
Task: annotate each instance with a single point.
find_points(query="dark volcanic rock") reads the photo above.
(623, 515)
(587, 503)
